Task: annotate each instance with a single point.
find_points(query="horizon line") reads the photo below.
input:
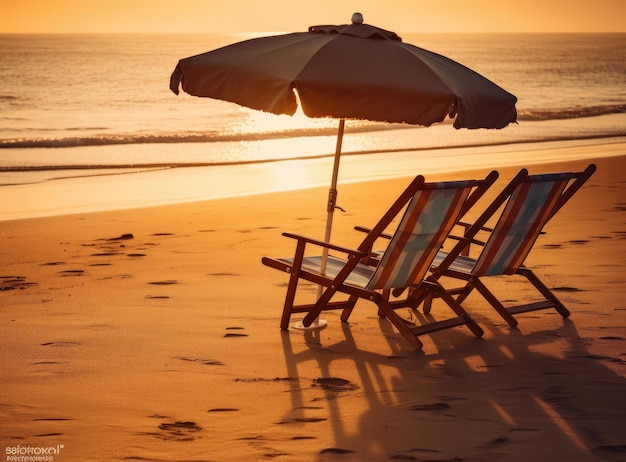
(255, 33)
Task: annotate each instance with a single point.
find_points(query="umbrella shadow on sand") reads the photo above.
(515, 396)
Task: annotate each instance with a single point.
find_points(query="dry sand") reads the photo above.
(152, 334)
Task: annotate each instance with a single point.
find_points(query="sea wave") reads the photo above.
(571, 113)
(140, 138)
(103, 169)
(212, 136)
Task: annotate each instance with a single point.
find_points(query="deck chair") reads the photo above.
(527, 203)
(430, 212)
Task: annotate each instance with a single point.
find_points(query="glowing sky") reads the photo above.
(295, 15)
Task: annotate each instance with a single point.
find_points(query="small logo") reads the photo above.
(21, 453)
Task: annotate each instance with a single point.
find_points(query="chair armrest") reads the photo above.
(328, 245)
(363, 229)
(482, 228)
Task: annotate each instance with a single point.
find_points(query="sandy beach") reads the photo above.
(153, 334)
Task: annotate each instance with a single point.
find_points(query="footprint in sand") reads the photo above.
(496, 441)
(430, 407)
(235, 334)
(178, 431)
(261, 379)
(338, 451)
(334, 384)
(206, 362)
(164, 283)
(49, 363)
(60, 344)
(50, 419)
(14, 282)
(566, 289)
(72, 273)
(122, 237)
(299, 420)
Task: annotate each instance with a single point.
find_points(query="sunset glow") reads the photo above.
(134, 16)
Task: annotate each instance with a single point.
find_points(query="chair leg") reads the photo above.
(428, 303)
(458, 309)
(319, 306)
(494, 302)
(547, 293)
(415, 297)
(345, 314)
(464, 293)
(386, 294)
(390, 314)
(293, 285)
(289, 299)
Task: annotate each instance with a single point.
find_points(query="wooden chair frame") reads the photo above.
(341, 276)
(457, 264)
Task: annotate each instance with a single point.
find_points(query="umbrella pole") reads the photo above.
(332, 192)
(330, 209)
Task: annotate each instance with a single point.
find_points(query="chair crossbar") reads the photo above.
(439, 325)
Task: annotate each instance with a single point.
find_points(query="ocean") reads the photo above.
(84, 105)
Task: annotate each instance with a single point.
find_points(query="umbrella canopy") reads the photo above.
(354, 71)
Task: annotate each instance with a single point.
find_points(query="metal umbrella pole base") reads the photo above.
(318, 324)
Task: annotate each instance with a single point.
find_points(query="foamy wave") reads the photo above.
(209, 137)
(106, 140)
(570, 113)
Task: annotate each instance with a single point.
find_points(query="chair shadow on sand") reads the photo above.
(515, 396)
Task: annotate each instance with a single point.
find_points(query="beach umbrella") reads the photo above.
(355, 71)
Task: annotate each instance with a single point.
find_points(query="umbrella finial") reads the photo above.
(357, 18)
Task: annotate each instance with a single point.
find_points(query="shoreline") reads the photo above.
(153, 187)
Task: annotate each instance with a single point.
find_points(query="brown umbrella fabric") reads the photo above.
(354, 71)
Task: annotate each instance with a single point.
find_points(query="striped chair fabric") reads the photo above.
(521, 222)
(427, 221)
(527, 203)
